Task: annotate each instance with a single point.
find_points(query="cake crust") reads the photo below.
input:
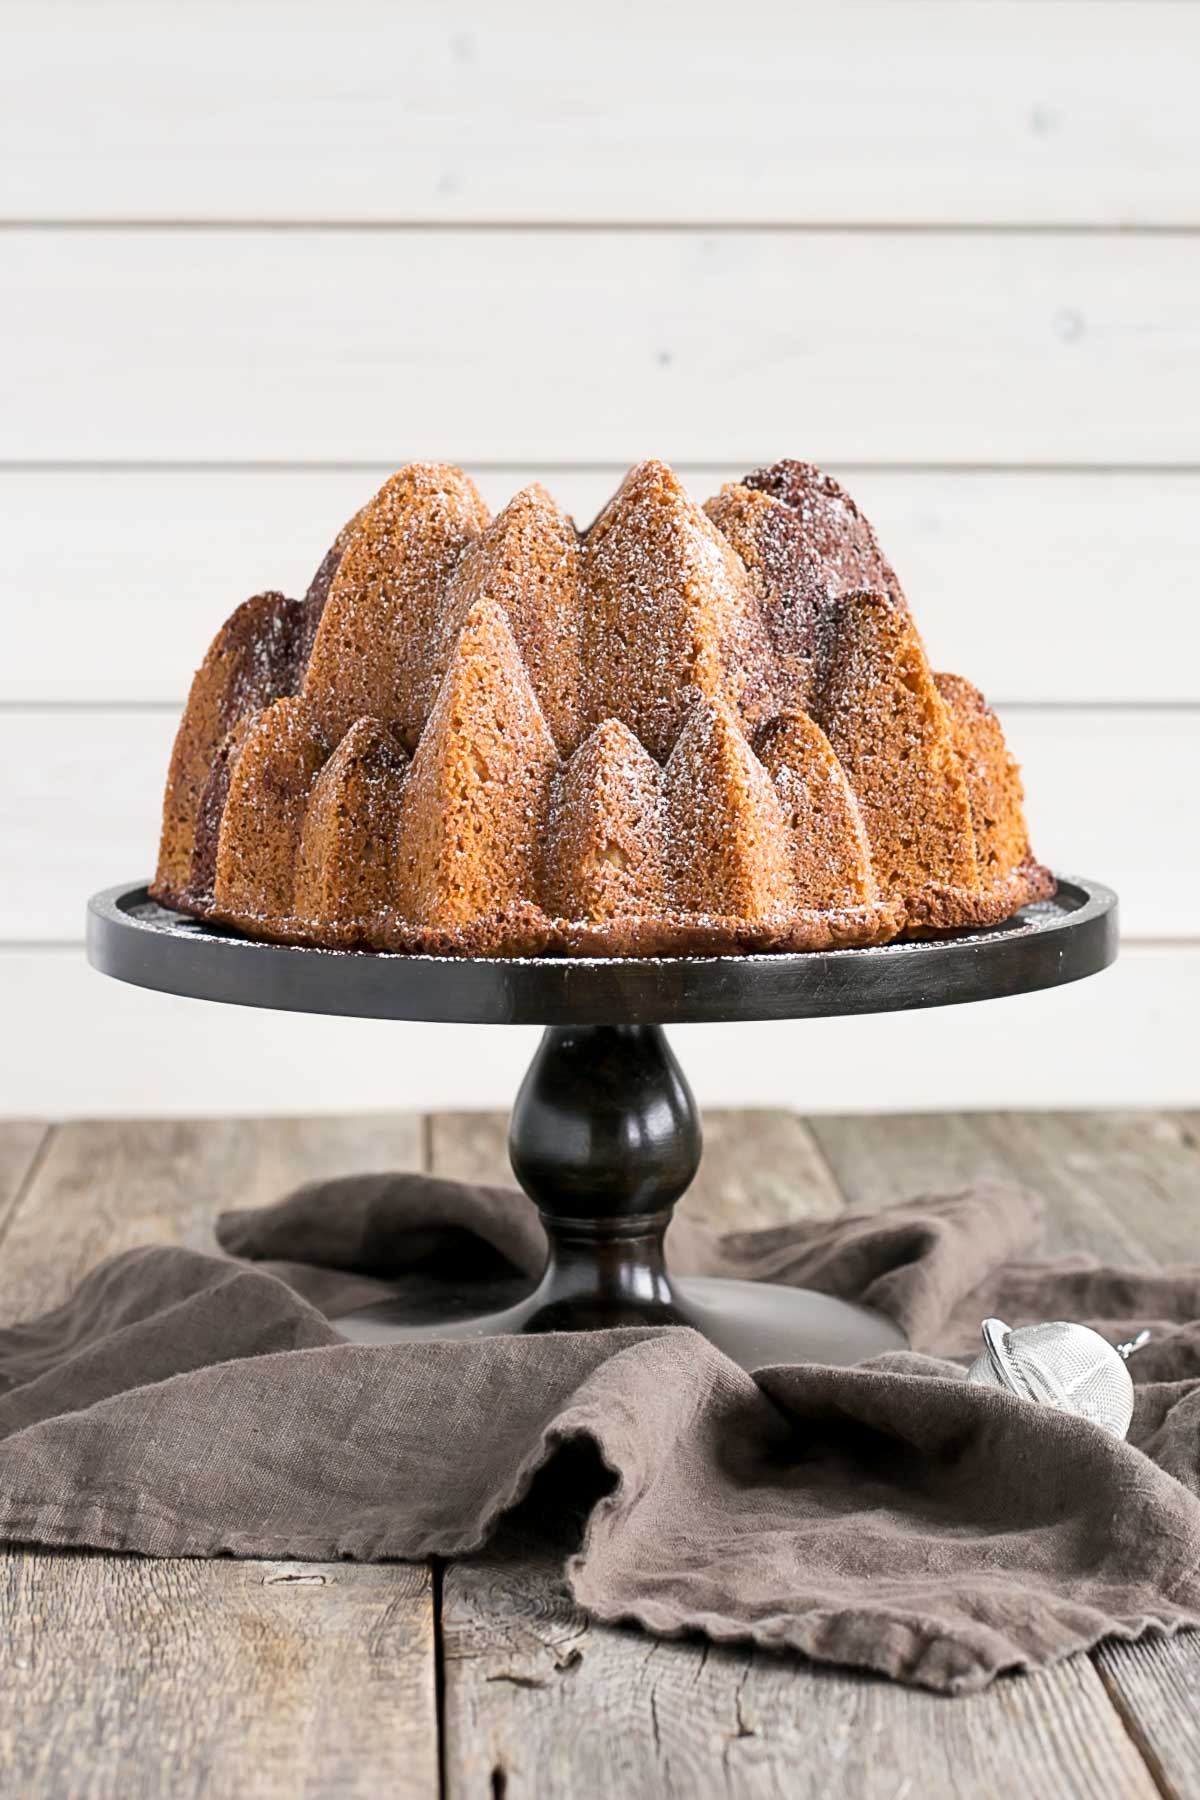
(685, 731)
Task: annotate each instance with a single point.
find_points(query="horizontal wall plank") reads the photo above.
(1044, 585)
(87, 1045)
(923, 112)
(1108, 795)
(527, 346)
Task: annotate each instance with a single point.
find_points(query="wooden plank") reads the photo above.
(256, 1679)
(1131, 1180)
(1126, 1186)
(1123, 1184)
(1124, 1039)
(1104, 790)
(759, 1172)
(129, 1051)
(538, 1700)
(1152, 1684)
(85, 798)
(470, 1146)
(1074, 348)
(21, 1141)
(1102, 796)
(135, 1678)
(1034, 581)
(104, 1188)
(922, 112)
(755, 1177)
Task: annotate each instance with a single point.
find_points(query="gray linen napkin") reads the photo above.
(890, 1516)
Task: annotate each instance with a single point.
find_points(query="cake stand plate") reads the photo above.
(605, 1136)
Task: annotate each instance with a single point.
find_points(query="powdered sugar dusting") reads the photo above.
(663, 784)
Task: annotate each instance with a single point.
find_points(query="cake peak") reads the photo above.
(684, 728)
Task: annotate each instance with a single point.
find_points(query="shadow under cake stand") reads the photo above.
(605, 1136)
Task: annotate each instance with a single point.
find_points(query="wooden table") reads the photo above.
(126, 1677)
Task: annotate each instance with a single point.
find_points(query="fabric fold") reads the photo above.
(890, 1516)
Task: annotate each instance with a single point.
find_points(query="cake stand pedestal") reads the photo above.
(605, 1136)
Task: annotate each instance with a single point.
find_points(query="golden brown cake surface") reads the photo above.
(683, 731)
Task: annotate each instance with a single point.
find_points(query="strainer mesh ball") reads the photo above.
(1059, 1364)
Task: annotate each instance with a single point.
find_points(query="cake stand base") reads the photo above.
(755, 1323)
(604, 1138)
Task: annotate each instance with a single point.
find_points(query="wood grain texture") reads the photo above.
(1124, 1185)
(940, 113)
(1189, 1125)
(540, 1701)
(750, 1175)
(85, 800)
(254, 1680)
(220, 1680)
(291, 1673)
(529, 346)
(102, 1189)
(1033, 582)
(99, 1047)
(21, 1142)
(1153, 1686)
(1144, 1172)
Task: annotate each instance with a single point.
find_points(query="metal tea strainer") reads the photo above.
(1070, 1367)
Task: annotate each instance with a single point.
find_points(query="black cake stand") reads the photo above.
(604, 1135)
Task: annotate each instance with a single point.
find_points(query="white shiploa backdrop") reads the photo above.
(255, 255)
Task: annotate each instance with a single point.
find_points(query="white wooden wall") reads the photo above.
(257, 253)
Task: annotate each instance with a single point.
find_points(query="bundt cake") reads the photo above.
(683, 731)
